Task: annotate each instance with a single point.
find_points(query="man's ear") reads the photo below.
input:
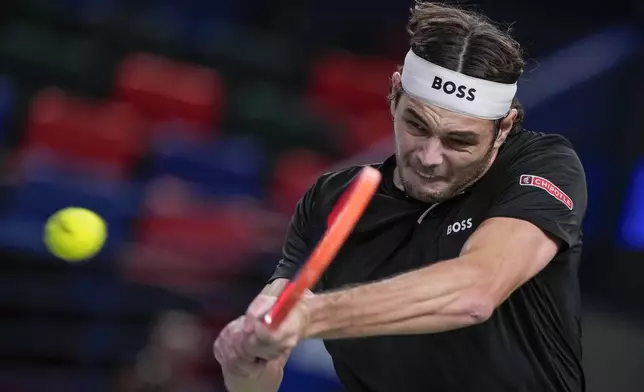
(395, 86)
(506, 126)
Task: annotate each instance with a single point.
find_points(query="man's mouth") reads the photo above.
(429, 177)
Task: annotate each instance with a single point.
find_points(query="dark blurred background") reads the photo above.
(194, 126)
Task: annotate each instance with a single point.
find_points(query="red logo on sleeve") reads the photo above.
(552, 189)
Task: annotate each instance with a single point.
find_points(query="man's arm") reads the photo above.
(499, 257)
(296, 248)
(269, 379)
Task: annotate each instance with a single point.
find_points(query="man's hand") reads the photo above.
(246, 345)
(230, 346)
(268, 344)
(229, 353)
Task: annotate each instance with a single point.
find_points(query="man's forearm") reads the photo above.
(440, 297)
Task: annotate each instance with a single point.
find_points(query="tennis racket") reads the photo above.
(347, 212)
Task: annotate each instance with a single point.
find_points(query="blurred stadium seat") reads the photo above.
(78, 128)
(181, 131)
(344, 84)
(165, 90)
(6, 107)
(195, 22)
(296, 380)
(131, 28)
(276, 118)
(91, 8)
(226, 168)
(41, 56)
(632, 226)
(244, 53)
(186, 242)
(366, 130)
(351, 92)
(293, 174)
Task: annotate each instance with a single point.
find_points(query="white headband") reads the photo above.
(455, 91)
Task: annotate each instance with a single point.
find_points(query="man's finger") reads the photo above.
(236, 362)
(266, 349)
(229, 353)
(217, 352)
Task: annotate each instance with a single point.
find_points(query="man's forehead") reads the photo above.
(426, 109)
(435, 115)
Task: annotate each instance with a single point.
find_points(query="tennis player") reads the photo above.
(462, 273)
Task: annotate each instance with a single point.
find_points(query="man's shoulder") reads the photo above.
(538, 140)
(528, 147)
(335, 182)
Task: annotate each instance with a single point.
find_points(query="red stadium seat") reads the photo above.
(190, 250)
(344, 84)
(351, 91)
(186, 242)
(84, 130)
(165, 90)
(366, 130)
(294, 173)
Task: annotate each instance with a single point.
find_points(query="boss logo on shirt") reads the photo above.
(450, 88)
(552, 189)
(459, 226)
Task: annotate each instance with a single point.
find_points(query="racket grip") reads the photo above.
(285, 302)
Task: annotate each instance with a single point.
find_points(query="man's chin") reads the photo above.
(426, 190)
(432, 195)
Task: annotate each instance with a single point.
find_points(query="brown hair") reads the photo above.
(466, 42)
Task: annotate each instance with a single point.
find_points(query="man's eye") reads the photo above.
(415, 125)
(459, 143)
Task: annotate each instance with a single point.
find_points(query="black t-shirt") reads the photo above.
(532, 341)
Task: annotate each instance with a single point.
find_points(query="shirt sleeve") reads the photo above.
(545, 185)
(297, 244)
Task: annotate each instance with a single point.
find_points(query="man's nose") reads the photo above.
(432, 152)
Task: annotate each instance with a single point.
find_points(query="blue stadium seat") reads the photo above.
(601, 204)
(221, 169)
(44, 190)
(207, 19)
(631, 233)
(296, 380)
(29, 378)
(6, 106)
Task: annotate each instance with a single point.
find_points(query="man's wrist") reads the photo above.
(315, 309)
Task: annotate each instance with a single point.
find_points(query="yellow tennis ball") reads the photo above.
(75, 234)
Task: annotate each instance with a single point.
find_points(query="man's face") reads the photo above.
(439, 153)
